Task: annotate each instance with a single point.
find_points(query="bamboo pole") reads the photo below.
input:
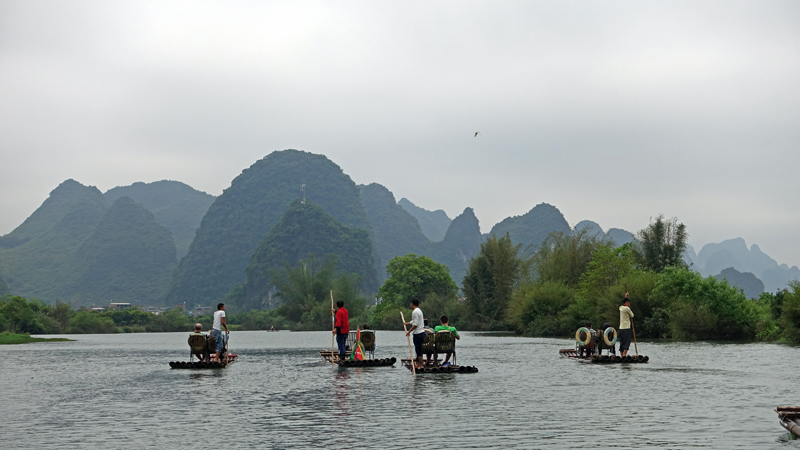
(410, 353)
(333, 330)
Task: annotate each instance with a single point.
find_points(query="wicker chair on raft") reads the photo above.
(442, 342)
(204, 345)
(367, 341)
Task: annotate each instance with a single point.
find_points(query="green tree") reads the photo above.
(565, 257)
(19, 316)
(662, 244)
(91, 322)
(607, 268)
(305, 290)
(707, 308)
(790, 312)
(489, 283)
(535, 308)
(411, 276)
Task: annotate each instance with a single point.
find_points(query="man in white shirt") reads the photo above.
(625, 332)
(216, 329)
(418, 328)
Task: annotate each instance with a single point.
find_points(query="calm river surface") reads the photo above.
(117, 391)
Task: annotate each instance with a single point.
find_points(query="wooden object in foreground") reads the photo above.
(789, 417)
(410, 353)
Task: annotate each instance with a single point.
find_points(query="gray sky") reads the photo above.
(612, 111)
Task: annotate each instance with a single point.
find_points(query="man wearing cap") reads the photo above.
(198, 331)
(625, 333)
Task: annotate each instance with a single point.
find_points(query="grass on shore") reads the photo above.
(9, 339)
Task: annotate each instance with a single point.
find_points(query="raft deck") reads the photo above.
(382, 362)
(603, 359)
(431, 368)
(203, 364)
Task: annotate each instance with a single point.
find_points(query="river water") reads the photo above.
(117, 391)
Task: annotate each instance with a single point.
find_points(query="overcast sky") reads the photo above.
(612, 111)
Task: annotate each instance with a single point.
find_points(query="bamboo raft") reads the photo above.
(203, 364)
(326, 356)
(603, 359)
(789, 417)
(439, 369)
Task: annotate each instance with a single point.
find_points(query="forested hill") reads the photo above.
(129, 257)
(395, 231)
(306, 230)
(245, 213)
(434, 224)
(37, 258)
(175, 205)
(4, 290)
(461, 243)
(75, 248)
(532, 228)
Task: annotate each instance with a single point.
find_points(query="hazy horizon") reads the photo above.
(613, 112)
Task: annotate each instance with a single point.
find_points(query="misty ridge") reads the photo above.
(167, 243)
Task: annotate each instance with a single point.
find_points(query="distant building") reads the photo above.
(119, 306)
(201, 311)
(99, 309)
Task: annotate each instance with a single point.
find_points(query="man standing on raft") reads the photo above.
(625, 333)
(342, 326)
(216, 329)
(418, 328)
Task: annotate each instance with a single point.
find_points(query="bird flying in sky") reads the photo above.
(477, 133)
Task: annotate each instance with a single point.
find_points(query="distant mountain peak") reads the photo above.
(533, 227)
(434, 224)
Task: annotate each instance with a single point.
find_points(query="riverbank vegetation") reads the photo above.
(548, 291)
(7, 338)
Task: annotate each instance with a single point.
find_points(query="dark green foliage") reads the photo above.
(129, 257)
(395, 232)
(305, 229)
(244, 214)
(434, 224)
(533, 227)
(176, 206)
(564, 257)
(18, 316)
(460, 244)
(490, 280)
(91, 322)
(37, 258)
(751, 286)
(706, 308)
(305, 292)
(536, 308)
(607, 268)
(662, 244)
(411, 276)
(790, 312)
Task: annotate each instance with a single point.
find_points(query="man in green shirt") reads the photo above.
(445, 326)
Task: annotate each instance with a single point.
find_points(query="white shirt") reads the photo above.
(218, 320)
(418, 320)
(625, 315)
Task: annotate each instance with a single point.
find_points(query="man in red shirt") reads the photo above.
(342, 326)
